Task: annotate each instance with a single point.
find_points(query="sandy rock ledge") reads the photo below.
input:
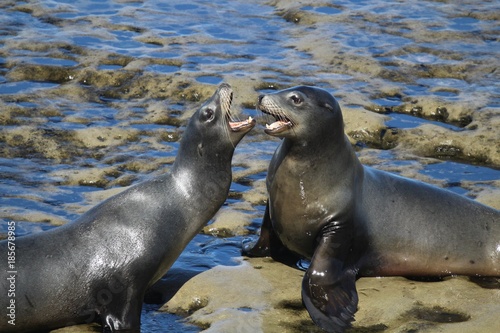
(261, 295)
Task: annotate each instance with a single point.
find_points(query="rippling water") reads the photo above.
(95, 94)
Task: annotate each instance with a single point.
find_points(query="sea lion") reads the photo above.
(351, 220)
(100, 265)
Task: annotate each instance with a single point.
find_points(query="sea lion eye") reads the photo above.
(209, 114)
(296, 99)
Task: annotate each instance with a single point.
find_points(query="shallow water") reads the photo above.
(95, 94)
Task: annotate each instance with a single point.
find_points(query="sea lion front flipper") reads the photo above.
(269, 244)
(261, 247)
(328, 288)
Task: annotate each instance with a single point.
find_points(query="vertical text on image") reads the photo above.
(11, 272)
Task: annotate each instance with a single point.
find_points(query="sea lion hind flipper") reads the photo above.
(329, 285)
(123, 313)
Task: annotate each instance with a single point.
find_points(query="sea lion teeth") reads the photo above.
(277, 124)
(244, 125)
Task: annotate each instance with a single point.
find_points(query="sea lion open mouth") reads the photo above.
(226, 100)
(237, 126)
(278, 126)
(282, 123)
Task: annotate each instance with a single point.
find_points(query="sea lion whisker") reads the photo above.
(227, 132)
(264, 115)
(232, 122)
(260, 115)
(226, 102)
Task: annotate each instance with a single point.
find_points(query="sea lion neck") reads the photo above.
(200, 157)
(316, 139)
(197, 156)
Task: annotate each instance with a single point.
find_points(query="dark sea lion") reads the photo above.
(100, 265)
(351, 220)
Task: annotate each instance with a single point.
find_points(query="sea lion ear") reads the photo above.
(328, 107)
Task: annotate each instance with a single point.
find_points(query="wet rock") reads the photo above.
(257, 195)
(160, 113)
(250, 299)
(228, 223)
(436, 314)
(14, 214)
(432, 108)
(99, 137)
(97, 177)
(292, 15)
(448, 151)
(170, 136)
(26, 141)
(390, 138)
(440, 114)
(434, 141)
(90, 328)
(365, 127)
(486, 193)
(403, 304)
(256, 294)
(28, 72)
(96, 197)
(122, 181)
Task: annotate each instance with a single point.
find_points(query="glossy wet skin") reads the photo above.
(354, 221)
(316, 119)
(102, 263)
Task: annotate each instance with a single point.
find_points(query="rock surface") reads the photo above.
(261, 295)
